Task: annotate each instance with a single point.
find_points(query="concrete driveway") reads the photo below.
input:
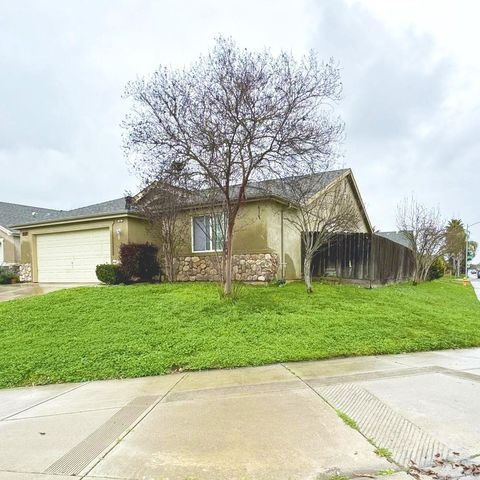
(22, 290)
(272, 422)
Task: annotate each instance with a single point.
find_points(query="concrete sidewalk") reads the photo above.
(273, 422)
(476, 286)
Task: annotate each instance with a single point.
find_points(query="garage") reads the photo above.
(71, 257)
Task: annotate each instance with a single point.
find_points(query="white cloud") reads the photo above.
(410, 69)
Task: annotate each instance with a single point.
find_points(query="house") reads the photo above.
(12, 214)
(66, 246)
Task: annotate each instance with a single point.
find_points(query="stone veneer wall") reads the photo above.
(25, 272)
(254, 267)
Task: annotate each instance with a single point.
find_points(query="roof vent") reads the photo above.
(34, 214)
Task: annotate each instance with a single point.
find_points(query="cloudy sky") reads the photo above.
(411, 91)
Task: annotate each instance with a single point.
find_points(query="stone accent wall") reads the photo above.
(25, 272)
(255, 267)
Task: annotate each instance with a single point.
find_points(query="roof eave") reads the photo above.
(257, 198)
(8, 231)
(82, 218)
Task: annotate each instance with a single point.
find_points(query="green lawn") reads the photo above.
(129, 331)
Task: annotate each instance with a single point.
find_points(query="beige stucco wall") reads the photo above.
(11, 247)
(250, 235)
(289, 251)
(363, 226)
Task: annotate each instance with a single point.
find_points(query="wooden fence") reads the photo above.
(363, 256)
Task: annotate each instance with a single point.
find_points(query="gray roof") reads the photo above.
(111, 207)
(14, 214)
(286, 188)
(398, 237)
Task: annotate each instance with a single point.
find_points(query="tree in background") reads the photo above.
(455, 239)
(437, 268)
(232, 117)
(425, 231)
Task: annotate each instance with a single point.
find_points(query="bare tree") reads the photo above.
(320, 209)
(424, 229)
(232, 117)
(162, 203)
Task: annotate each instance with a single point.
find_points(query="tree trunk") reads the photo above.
(227, 263)
(307, 272)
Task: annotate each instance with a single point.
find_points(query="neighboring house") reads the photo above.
(67, 246)
(397, 237)
(12, 214)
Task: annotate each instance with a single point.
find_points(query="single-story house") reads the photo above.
(66, 246)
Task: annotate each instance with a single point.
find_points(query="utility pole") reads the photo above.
(467, 242)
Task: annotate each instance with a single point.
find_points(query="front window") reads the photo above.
(207, 233)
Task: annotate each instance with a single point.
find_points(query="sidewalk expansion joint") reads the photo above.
(376, 421)
(44, 401)
(91, 450)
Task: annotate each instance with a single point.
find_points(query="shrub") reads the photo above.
(7, 276)
(110, 274)
(437, 269)
(139, 261)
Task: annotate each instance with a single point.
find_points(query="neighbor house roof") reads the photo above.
(398, 237)
(14, 214)
(117, 206)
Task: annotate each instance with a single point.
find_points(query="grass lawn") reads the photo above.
(128, 331)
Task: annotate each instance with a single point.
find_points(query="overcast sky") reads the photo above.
(411, 90)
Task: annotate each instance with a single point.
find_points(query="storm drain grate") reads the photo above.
(74, 461)
(384, 426)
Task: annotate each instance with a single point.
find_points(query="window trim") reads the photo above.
(212, 242)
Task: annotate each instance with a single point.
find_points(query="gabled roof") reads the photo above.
(281, 189)
(312, 183)
(13, 214)
(286, 190)
(111, 207)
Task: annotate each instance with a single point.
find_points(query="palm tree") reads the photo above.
(455, 244)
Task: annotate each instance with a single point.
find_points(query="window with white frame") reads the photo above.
(207, 233)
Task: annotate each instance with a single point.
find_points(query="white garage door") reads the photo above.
(72, 256)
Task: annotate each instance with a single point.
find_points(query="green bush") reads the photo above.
(437, 269)
(110, 274)
(139, 261)
(6, 276)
